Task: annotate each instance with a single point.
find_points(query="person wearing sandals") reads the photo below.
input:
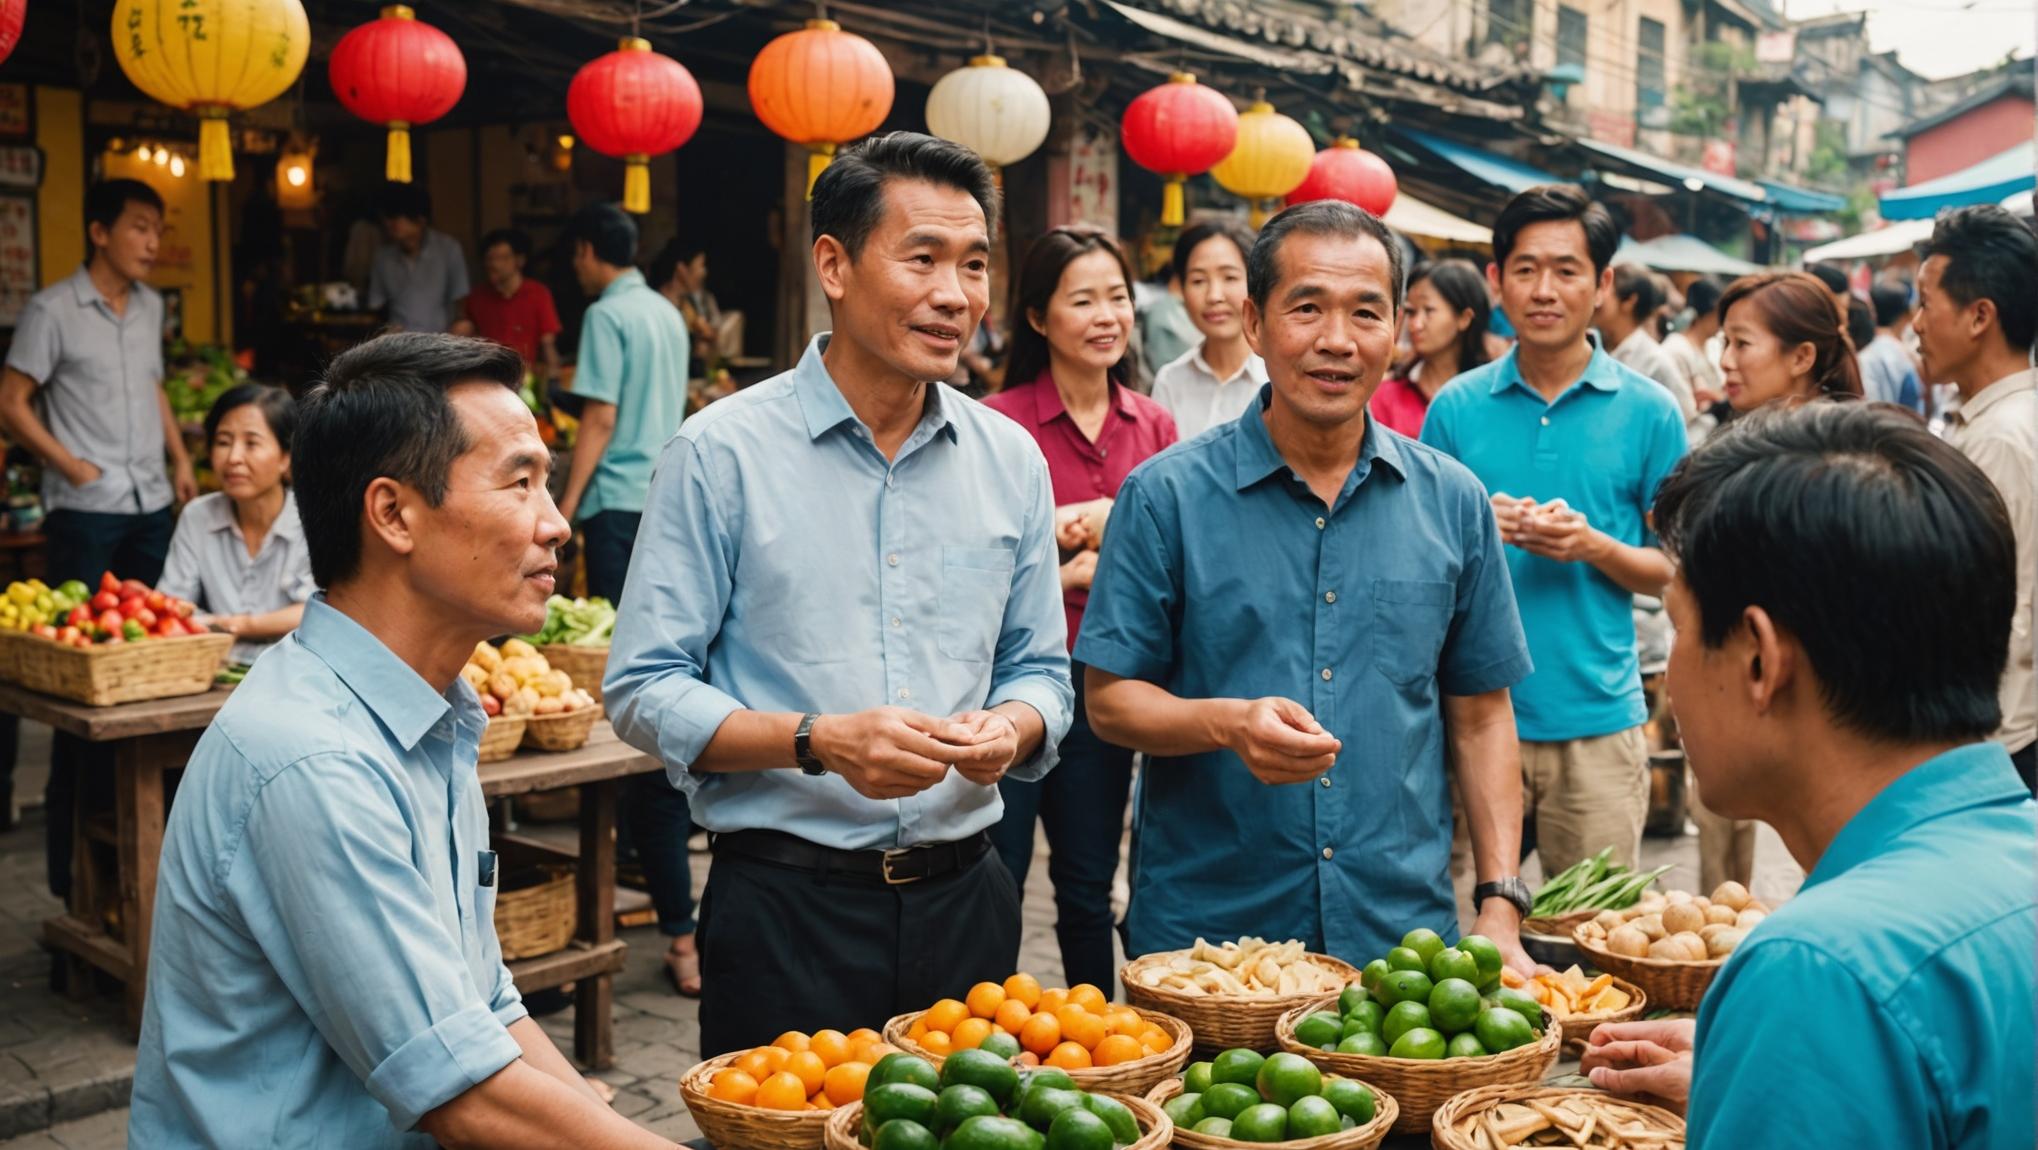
(239, 552)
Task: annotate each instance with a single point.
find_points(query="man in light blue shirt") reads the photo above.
(420, 274)
(1890, 1002)
(324, 968)
(847, 626)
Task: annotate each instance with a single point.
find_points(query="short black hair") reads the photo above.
(405, 201)
(1557, 203)
(518, 241)
(1830, 516)
(1992, 255)
(1892, 303)
(382, 411)
(105, 200)
(1860, 323)
(1703, 295)
(1834, 279)
(1319, 218)
(849, 197)
(1193, 237)
(275, 404)
(668, 259)
(1637, 283)
(607, 229)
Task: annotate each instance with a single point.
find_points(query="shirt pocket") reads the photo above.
(1410, 619)
(975, 582)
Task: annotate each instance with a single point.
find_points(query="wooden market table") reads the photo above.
(150, 739)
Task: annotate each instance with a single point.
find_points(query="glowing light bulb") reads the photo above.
(295, 175)
(177, 166)
(566, 142)
(142, 154)
(162, 157)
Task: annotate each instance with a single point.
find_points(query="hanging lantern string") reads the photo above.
(990, 49)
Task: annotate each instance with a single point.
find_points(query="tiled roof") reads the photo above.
(1359, 38)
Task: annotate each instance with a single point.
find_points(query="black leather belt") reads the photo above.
(894, 867)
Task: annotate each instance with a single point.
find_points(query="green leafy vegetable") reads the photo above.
(577, 622)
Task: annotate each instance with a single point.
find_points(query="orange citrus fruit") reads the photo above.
(807, 1065)
(792, 1041)
(756, 1065)
(863, 1034)
(782, 1091)
(1080, 1026)
(984, 999)
(945, 1014)
(819, 1102)
(873, 1052)
(1069, 1056)
(1117, 1048)
(918, 1030)
(970, 1033)
(1025, 988)
(1026, 1058)
(732, 1085)
(845, 1082)
(1040, 1034)
(937, 1042)
(1088, 997)
(1012, 1014)
(1156, 1039)
(832, 1046)
(1051, 1001)
(1122, 1020)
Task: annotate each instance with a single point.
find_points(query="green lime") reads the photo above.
(1001, 1044)
(1405, 1016)
(981, 1068)
(1124, 1127)
(1465, 1046)
(1041, 1078)
(1484, 953)
(1423, 941)
(1227, 1099)
(905, 1068)
(1421, 1042)
(1488, 983)
(1353, 996)
(1241, 1066)
(1454, 1005)
(1312, 1117)
(1353, 1099)
(1365, 1042)
(1373, 972)
(990, 1133)
(1450, 962)
(1263, 1123)
(1320, 1030)
(1284, 1077)
(1501, 1029)
(904, 1134)
(1366, 1014)
(1407, 958)
(1522, 1003)
(1215, 1127)
(1184, 1110)
(1196, 1079)
(1405, 986)
(1044, 1102)
(959, 1103)
(1078, 1129)
(891, 1100)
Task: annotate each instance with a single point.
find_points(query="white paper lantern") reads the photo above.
(995, 111)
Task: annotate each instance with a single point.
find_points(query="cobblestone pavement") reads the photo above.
(66, 1068)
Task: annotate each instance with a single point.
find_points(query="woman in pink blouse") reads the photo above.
(1447, 312)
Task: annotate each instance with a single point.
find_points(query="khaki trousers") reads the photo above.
(1583, 794)
(1726, 847)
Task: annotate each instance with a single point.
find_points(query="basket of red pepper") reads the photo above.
(128, 643)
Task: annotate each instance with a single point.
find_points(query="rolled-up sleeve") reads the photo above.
(1032, 662)
(37, 344)
(1485, 648)
(655, 687)
(1130, 621)
(324, 882)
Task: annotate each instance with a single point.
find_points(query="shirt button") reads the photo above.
(1327, 852)
(1330, 596)
(1546, 421)
(1325, 780)
(891, 560)
(897, 622)
(1319, 523)
(905, 693)
(1326, 674)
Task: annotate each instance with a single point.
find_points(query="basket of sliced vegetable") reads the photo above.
(1571, 898)
(575, 639)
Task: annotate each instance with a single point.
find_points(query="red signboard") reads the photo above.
(1718, 156)
(1609, 128)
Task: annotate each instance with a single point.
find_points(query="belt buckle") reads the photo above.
(886, 865)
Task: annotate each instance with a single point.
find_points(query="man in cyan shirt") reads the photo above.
(1890, 1002)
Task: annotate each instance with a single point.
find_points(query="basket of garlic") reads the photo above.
(1233, 995)
(1671, 944)
(516, 682)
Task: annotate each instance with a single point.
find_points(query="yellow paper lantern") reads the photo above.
(211, 57)
(1271, 158)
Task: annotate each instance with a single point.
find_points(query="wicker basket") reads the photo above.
(584, 665)
(1421, 1085)
(1548, 940)
(1223, 1021)
(1385, 1112)
(1134, 1077)
(1670, 985)
(499, 739)
(1156, 1130)
(1578, 1027)
(103, 675)
(565, 731)
(735, 1126)
(537, 919)
(1444, 1134)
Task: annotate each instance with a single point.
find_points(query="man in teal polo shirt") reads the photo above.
(1571, 447)
(1890, 1002)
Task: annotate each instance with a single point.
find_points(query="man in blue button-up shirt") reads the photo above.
(324, 968)
(1303, 597)
(1890, 1002)
(843, 625)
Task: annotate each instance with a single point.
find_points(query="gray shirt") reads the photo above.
(1189, 388)
(99, 386)
(420, 290)
(1641, 352)
(209, 564)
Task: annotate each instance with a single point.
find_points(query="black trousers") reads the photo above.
(787, 949)
(2026, 762)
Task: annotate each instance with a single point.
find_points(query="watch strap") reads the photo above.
(1512, 888)
(803, 746)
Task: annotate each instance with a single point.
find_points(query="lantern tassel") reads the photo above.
(1171, 204)
(397, 168)
(819, 156)
(637, 184)
(215, 146)
(1258, 214)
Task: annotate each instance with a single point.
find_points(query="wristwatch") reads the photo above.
(1510, 888)
(803, 747)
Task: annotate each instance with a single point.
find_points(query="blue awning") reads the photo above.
(1801, 201)
(1681, 175)
(1480, 164)
(1989, 182)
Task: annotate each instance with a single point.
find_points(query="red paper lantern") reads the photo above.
(634, 104)
(1345, 171)
(12, 13)
(1178, 130)
(398, 71)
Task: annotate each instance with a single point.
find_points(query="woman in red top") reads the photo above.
(1072, 323)
(1447, 312)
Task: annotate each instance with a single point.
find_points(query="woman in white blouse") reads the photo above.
(239, 553)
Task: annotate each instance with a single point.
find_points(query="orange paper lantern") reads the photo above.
(819, 87)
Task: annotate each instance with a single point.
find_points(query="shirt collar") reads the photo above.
(88, 292)
(1975, 775)
(630, 279)
(1048, 406)
(1203, 365)
(1257, 457)
(824, 408)
(1994, 393)
(1599, 371)
(403, 701)
(226, 517)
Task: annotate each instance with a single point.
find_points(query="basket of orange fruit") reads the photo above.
(778, 1097)
(1102, 1045)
